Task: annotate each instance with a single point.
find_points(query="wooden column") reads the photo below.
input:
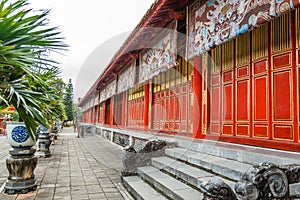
(111, 111)
(197, 100)
(146, 106)
(294, 77)
(124, 105)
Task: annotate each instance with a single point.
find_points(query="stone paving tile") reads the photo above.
(79, 168)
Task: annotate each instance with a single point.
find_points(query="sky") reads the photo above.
(94, 30)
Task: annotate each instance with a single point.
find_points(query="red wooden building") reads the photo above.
(218, 69)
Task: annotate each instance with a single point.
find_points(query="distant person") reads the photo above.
(75, 126)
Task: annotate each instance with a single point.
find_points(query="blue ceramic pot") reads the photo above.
(42, 130)
(17, 135)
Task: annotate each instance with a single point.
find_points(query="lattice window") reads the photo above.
(298, 27)
(118, 109)
(172, 77)
(243, 49)
(281, 33)
(136, 92)
(101, 112)
(135, 106)
(156, 82)
(163, 81)
(260, 42)
(227, 55)
(216, 60)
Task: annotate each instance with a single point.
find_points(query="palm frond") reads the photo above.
(26, 71)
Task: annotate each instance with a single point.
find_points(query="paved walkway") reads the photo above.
(79, 168)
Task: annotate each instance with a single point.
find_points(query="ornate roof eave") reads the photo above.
(160, 9)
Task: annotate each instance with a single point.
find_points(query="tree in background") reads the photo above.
(26, 69)
(52, 89)
(68, 101)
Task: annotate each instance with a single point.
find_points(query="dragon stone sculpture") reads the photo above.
(265, 181)
(134, 159)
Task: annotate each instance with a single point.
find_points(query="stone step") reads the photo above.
(189, 174)
(169, 186)
(230, 169)
(242, 153)
(140, 189)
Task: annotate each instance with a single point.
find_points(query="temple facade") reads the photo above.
(218, 70)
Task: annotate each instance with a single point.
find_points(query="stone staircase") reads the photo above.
(180, 173)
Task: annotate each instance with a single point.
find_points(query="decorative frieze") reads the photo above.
(108, 91)
(126, 78)
(106, 134)
(121, 139)
(218, 21)
(161, 56)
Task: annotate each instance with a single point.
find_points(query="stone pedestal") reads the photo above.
(54, 134)
(44, 143)
(21, 165)
(134, 159)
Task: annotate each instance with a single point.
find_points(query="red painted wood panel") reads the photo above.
(135, 112)
(190, 114)
(260, 130)
(185, 88)
(177, 109)
(282, 95)
(227, 129)
(171, 125)
(282, 60)
(260, 98)
(243, 100)
(165, 125)
(183, 108)
(283, 132)
(260, 66)
(228, 76)
(165, 109)
(172, 108)
(215, 104)
(243, 130)
(184, 127)
(228, 102)
(154, 112)
(155, 125)
(298, 56)
(299, 94)
(215, 128)
(163, 106)
(177, 126)
(242, 72)
(215, 80)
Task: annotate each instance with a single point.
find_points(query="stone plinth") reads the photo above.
(44, 144)
(21, 165)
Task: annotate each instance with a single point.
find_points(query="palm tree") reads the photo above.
(26, 69)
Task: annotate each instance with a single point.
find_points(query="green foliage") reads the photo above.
(26, 69)
(77, 113)
(15, 116)
(68, 101)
